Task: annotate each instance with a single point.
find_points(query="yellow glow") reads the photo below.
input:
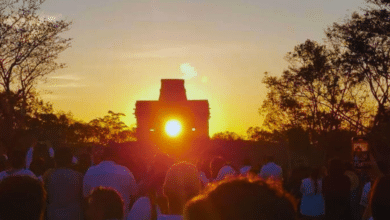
(173, 128)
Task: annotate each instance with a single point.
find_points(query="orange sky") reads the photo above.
(122, 49)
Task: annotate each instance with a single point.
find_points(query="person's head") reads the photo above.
(181, 184)
(324, 171)
(63, 157)
(22, 197)
(380, 199)
(383, 167)
(215, 165)
(17, 159)
(161, 163)
(41, 149)
(204, 165)
(246, 162)
(104, 203)
(38, 166)
(242, 198)
(110, 153)
(349, 166)
(336, 167)
(315, 173)
(269, 159)
(85, 159)
(225, 171)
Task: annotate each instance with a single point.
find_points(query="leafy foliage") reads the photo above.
(364, 40)
(315, 93)
(227, 135)
(29, 48)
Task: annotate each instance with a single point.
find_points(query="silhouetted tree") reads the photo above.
(111, 128)
(29, 49)
(227, 135)
(260, 134)
(315, 93)
(364, 40)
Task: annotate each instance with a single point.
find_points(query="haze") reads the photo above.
(122, 49)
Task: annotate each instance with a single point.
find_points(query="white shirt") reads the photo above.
(244, 170)
(109, 174)
(365, 194)
(142, 210)
(21, 172)
(271, 170)
(225, 171)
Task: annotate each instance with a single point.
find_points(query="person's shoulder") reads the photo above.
(367, 186)
(326, 179)
(26, 171)
(92, 170)
(346, 178)
(169, 217)
(77, 173)
(276, 165)
(3, 174)
(73, 172)
(124, 170)
(143, 203)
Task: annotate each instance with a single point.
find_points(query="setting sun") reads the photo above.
(173, 128)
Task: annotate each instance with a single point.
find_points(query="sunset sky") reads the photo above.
(121, 50)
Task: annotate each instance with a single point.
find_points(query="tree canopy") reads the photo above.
(340, 86)
(29, 50)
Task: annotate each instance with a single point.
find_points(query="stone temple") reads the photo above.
(153, 116)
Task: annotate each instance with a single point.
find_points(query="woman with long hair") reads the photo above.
(312, 202)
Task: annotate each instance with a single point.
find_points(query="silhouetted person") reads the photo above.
(203, 171)
(271, 170)
(181, 184)
(152, 201)
(336, 190)
(312, 203)
(104, 204)
(241, 198)
(354, 193)
(246, 166)
(380, 199)
(377, 171)
(84, 163)
(22, 198)
(295, 180)
(40, 150)
(225, 171)
(64, 188)
(38, 166)
(215, 166)
(17, 164)
(110, 174)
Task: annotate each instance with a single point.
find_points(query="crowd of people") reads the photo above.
(53, 184)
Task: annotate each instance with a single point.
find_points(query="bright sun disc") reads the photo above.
(173, 128)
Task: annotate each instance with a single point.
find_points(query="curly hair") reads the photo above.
(242, 198)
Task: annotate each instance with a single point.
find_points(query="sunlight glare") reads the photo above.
(173, 128)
